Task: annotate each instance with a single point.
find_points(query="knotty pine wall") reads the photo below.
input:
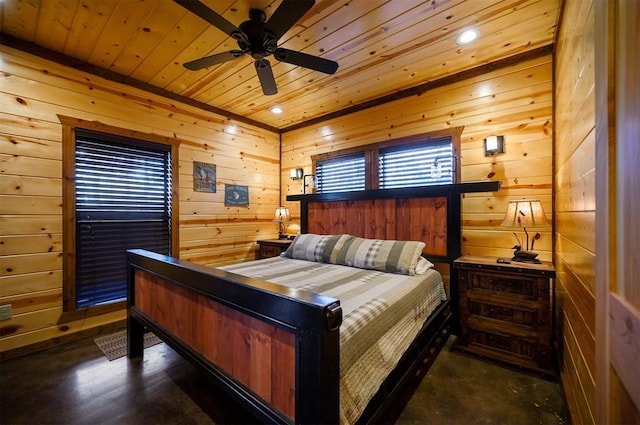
(575, 207)
(515, 101)
(591, 141)
(33, 92)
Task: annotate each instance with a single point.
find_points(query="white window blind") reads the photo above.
(123, 201)
(340, 174)
(425, 164)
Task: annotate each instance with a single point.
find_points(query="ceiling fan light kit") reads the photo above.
(258, 38)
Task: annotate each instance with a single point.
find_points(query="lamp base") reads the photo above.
(283, 236)
(526, 257)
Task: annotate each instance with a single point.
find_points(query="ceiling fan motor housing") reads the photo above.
(255, 38)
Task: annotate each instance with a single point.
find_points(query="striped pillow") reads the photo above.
(312, 247)
(384, 255)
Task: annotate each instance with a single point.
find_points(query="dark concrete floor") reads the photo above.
(76, 384)
(459, 389)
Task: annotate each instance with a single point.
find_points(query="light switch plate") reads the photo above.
(5, 312)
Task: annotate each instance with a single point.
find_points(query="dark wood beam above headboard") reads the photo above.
(407, 192)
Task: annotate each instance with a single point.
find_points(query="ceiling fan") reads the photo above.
(259, 38)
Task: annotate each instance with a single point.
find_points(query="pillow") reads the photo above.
(383, 255)
(312, 247)
(423, 265)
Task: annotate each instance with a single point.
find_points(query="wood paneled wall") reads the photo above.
(33, 92)
(515, 101)
(575, 207)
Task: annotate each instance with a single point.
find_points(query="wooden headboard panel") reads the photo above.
(428, 214)
(416, 219)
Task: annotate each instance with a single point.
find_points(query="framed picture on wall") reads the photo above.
(204, 177)
(235, 195)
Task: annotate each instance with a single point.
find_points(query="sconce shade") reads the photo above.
(296, 173)
(493, 145)
(282, 215)
(525, 213)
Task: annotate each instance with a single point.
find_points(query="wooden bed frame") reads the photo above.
(275, 349)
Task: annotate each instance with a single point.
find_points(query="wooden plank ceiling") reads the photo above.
(382, 47)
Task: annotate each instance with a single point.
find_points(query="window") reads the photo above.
(341, 174)
(123, 201)
(423, 164)
(421, 160)
(120, 197)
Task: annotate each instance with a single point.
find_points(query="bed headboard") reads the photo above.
(428, 214)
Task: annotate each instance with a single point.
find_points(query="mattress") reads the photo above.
(382, 314)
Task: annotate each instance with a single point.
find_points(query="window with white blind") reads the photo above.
(417, 165)
(421, 160)
(119, 195)
(340, 174)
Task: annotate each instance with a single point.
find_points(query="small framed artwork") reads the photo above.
(204, 177)
(236, 196)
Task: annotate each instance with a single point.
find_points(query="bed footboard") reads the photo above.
(274, 349)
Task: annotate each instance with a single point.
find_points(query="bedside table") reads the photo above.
(506, 311)
(272, 247)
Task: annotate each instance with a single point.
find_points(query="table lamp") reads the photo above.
(281, 217)
(525, 213)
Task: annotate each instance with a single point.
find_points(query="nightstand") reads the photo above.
(506, 311)
(272, 247)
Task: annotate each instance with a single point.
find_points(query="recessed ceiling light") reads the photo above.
(276, 110)
(467, 37)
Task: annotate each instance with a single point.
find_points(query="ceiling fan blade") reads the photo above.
(265, 75)
(308, 61)
(286, 15)
(213, 60)
(208, 15)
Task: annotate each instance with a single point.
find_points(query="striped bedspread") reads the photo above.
(382, 314)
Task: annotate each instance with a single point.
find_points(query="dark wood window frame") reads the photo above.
(372, 152)
(69, 126)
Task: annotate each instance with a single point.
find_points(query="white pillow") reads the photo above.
(423, 265)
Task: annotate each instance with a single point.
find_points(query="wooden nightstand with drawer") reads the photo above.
(506, 311)
(272, 247)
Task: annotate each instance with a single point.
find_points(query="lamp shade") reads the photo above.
(525, 213)
(282, 215)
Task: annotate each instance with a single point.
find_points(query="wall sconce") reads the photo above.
(493, 145)
(297, 173)
(440, 166)
(281, 217)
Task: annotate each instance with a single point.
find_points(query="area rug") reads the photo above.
(114, 346)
